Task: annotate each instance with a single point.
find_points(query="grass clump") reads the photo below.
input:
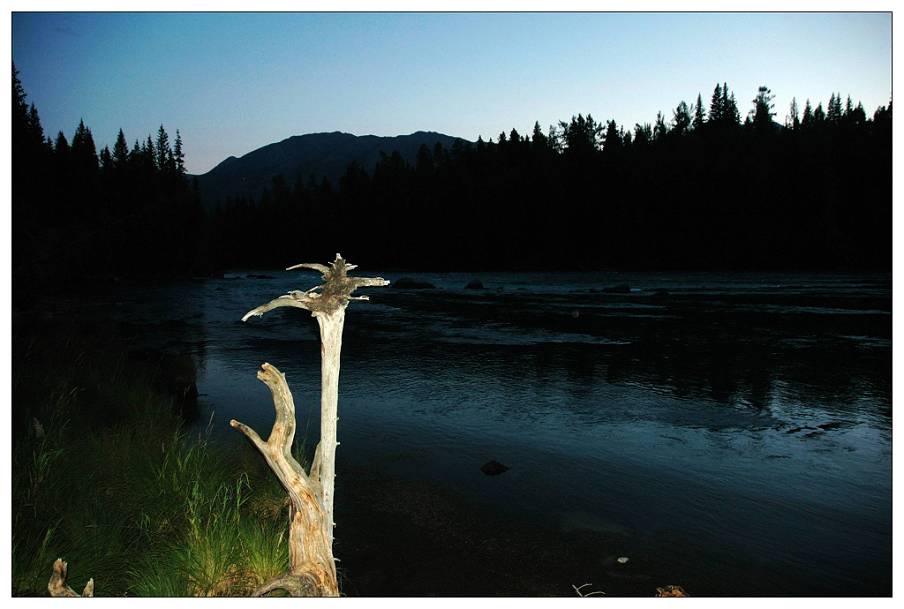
(106, 476)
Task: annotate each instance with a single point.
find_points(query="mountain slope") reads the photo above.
(321, 155)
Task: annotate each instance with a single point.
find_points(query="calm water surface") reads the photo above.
(735, 429)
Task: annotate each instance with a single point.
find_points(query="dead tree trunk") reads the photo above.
(312, 569)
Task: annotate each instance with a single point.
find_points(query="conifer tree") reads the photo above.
(833, 111)
(179, 155)
(84, 153)
(612, 141)
(539, 140)
(699, 114)
(120, 151)
(792, 121)
(716, 107)
(681, 119)
(163, 151)
(660, 129)
(106, 159)
(819, 115)
(807, 121)
(762, 109)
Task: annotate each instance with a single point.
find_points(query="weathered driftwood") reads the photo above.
(57, 584)
(313, 547)
(312, 571)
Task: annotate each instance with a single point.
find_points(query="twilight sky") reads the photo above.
(234, 82)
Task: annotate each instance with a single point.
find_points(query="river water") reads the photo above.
(730, 433)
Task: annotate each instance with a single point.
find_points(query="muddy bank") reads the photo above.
(412, 538)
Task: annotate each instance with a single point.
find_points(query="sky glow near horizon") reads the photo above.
(233, 82)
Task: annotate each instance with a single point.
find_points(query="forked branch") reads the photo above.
(312, 570)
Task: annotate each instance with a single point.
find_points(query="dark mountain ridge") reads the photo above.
(312, 156)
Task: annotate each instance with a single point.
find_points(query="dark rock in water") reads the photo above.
(622, 288)
(474, 284)
(407, 283)
(831, 425)
(493, 468)
(660, 295)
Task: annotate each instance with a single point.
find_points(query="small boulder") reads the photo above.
(474, 284)
(493, 468)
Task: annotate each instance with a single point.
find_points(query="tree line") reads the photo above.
(701, 189)
(77, 212)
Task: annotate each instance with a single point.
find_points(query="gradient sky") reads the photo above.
(234, 82)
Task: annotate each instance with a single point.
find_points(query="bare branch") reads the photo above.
(312, 569)
(320, 268)
(298, 300)
(252, 435)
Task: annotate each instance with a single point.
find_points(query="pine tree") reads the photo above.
(660, 130)
(149, 154)
(716, 108)
(762, 109)
(106, 160)
(793, 119)
(61, 147)
(807, 121)
(612, 141)
(833, 111)
(819, 115)
(699, 115)
(120, 151)
(84, 153)
(539, 140)
(163, 151)
(643, 134)
(681, 119)
(179, 155)
(732, 114)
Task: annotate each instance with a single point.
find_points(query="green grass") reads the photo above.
(106, 477)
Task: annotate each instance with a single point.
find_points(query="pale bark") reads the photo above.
(57, 584)
(327, 303)
(311, 564)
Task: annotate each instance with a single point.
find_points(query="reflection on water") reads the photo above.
(738, 427)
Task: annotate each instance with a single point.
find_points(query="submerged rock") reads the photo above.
(493, 468)
(831, 425)
(660, 295)
(407, 283)
(622, 288)
(474, 284)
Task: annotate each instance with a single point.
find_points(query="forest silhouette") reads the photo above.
(703, 189)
